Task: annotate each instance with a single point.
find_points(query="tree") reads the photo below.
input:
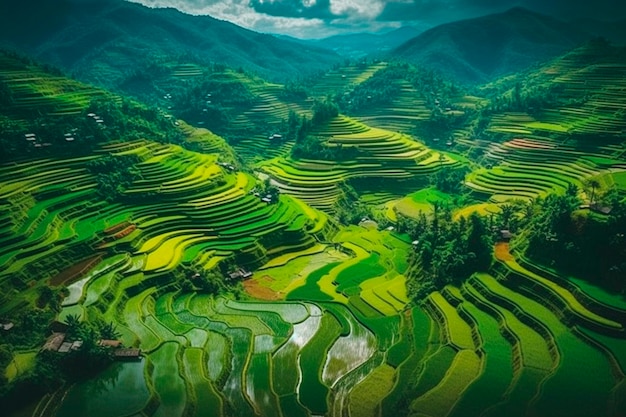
(211, 282)
(108, 331)
(593, 184)
(73, 323)
(479, 244)
(324, 110)
(507, 211)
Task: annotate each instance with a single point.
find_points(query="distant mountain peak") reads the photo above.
(480, 49)
(103, 40)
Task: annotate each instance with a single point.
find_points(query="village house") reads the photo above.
(54, 342)
(239, 274)
(127, 354)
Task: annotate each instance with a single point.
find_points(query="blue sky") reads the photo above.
(321, 18)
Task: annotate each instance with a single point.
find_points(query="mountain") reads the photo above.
(361, 44)
(481, 49)
(578, 95)
(104, 41)
(614, 31)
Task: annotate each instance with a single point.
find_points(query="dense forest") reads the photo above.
(374, 237)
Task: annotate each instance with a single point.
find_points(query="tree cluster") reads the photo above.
(209, 100)
(348, 207)
(121, 120)
(324, 111)
(114, 175)
(446, 251)
(449, 180)
(51, 370)
(580, 242)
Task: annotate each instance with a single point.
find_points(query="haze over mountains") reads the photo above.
(107, 42)
(481, 49)
(109, 38)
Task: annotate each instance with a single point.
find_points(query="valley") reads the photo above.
(374, 240)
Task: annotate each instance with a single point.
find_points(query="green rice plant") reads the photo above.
(21, 363)
(349, 351)
(97, 287)
(403, 348)
(206, 399)
(527, 387)
(355, 274)
(216, 348)
(196, 337)
(568, 298)
(133, 319)
(616, 347)
(360, 307)
(235, 319)
(310, 290)
(259, 385)
(289, 312)
(534, 349)
(286, 371)
(441, 399)
(167, 380)
(163, 332)
(458, 332)
(497, 374)
(571, 351)
(313, 392)
(366, 397)
(235, 386)
(171, 322)
(434, 370)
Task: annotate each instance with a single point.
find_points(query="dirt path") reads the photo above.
(502, 252)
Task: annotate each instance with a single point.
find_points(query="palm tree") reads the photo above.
(73, 323)
(506, 215)
(594, 184)
(109, 331)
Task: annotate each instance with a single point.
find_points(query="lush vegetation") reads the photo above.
(376, 239)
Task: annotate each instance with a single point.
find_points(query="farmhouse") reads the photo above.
(127, 354)
(6, 325)
(65, 347)
(239, 274)
(54, 342)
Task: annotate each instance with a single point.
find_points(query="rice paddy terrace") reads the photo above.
(551, 148)
(32, 88)
(324, 325)
(380, 155)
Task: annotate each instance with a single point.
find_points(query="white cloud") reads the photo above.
(357, 9)
(359, 15)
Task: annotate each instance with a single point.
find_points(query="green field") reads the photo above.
(227, 263)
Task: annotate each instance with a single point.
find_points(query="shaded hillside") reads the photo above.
(43, 113)
(361, 44)
(109, 41)
(579, 94)
(477, 50)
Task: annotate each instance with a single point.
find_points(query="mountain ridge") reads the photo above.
(481, 49)
(82, 36)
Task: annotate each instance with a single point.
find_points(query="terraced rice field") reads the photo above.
(325, 325)
(532, 166)
(401, 114)
(34, 90)
(386, 157)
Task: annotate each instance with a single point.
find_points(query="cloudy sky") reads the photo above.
(321, 18)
